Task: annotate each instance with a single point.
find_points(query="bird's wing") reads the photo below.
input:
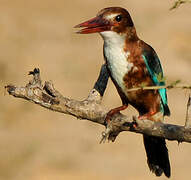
(155, 70)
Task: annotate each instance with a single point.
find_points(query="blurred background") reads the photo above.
(37, 144)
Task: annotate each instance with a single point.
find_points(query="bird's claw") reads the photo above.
(109, 134)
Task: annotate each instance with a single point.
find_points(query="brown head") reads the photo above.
(115, 19)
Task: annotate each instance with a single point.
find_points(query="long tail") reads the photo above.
(157, 155)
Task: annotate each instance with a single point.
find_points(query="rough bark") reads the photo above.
(91, 109)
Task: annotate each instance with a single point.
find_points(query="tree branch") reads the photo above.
(90, 109)
(188, 113)
(171, 86)
(178, 3)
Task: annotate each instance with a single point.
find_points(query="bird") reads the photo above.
(133, 63)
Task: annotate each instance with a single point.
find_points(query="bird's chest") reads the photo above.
(118, 63)
(127, 71)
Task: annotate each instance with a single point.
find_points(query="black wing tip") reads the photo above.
(166, 110)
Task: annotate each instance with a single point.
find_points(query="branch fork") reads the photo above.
(91, 109)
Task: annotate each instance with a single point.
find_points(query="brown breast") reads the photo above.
(143, 100)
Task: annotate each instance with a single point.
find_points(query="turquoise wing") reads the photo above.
(155, 70)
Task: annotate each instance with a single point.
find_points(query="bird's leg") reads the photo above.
(148, 115)
(114, 111)
(107, 134)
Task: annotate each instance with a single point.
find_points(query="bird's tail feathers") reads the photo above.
(157, 155)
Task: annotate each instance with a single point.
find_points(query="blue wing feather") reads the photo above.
(155, 70)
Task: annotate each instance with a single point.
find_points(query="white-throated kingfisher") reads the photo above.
(132, 63)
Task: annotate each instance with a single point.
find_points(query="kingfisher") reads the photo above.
(133, 63)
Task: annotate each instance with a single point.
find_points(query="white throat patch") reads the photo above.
(116, 57)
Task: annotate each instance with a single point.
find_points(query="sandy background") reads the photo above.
(37, 144)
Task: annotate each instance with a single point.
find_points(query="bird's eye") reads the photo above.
(118, 18)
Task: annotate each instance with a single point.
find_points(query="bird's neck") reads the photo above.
(131, 35)
(112, 38)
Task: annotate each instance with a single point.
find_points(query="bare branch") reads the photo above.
(90, 109)
(171, 86)
(178, 3)
(188, 113)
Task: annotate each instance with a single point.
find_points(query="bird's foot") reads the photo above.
(134, 123)
(147, 116)
(109, 134)
(106, 135)
(114, 111)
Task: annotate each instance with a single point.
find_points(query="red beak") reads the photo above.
(94, 25)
